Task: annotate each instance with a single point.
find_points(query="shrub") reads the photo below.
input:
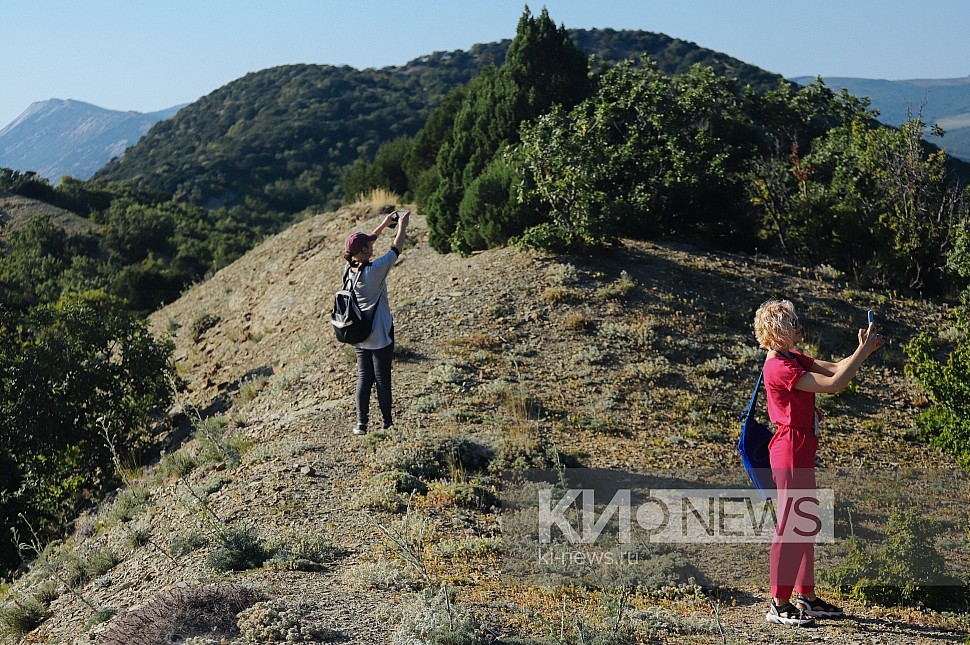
(619, 289)
(202, 610)
(23, 615)
(434, 619)
(73, 373)
(908, 570)
(176, 464)
(381, 574)
(576, 321)
(300, 552)
(462, 494)
(202, 324)
(238, 549)
(527, 450)
(277, 621)
(428, 458)
(948, 385)
(185, 544)
(128, 503)
(218, 443)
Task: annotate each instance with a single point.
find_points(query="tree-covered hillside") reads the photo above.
(280, 139)
(535, 141)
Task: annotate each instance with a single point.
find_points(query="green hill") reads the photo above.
(279, 139)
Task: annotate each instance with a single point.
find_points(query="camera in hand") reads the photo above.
(395, 217)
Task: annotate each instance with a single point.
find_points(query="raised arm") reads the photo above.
(833, 377)
(402, 225)
(384, 224)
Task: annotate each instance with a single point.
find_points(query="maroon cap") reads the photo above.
(356, 241)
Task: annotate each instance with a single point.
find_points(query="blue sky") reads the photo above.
(146, 56)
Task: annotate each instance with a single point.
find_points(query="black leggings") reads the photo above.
(374, 365)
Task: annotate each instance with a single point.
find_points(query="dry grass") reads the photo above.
(376, 200)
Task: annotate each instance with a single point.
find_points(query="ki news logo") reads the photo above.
(689, 516)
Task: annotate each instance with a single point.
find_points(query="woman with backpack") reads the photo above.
(791, 380)
(370, 286)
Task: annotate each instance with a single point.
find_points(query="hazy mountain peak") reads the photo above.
(60, 137)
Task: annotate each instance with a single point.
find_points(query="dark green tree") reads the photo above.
(386, 171)
(30, 270)
(70, 374)
(542, 68)
(419, 166)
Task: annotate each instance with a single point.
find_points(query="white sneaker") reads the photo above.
(818, 608)
(788, 614)
(360, 429)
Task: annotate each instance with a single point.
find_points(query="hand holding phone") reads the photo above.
(395, 217)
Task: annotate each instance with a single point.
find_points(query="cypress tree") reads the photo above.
(542, 68)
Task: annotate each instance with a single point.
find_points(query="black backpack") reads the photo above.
(349, 323)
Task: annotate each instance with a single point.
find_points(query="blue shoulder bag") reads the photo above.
(753, 447)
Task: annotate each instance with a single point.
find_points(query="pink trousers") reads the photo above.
(792, 452)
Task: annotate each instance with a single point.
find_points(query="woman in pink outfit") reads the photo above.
(791, 380)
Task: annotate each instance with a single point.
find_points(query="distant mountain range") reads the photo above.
(944, 102)
(66, 137)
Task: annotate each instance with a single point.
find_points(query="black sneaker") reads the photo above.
(360, 429)
(818, 608)
(788, 614)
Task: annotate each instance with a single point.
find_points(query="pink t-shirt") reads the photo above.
(786, 405)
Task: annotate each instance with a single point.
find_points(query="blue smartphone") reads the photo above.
(872, 316)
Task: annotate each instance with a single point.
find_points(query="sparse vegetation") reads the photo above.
(278, 621)
(907, 569)
(238, 549)
(198, 610)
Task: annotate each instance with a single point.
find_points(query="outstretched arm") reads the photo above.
(833, 377)
(384, 223)
(402, 226)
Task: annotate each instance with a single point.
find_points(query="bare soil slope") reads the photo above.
(633, 361)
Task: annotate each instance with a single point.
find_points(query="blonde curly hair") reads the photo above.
(776, 324)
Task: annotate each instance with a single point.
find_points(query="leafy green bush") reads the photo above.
(907, 570)
(947, 383)
(78, 374)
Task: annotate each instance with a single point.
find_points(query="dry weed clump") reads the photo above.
(430, 458)
(381, 574)
(433, 618)
(522, 448)
(176, 615)
(620, 289)
(282, 621)
(407, 467)
(378, 199)
(22, 614)
(560, 295)
(388, 491)
(463, 494)
(202, 324)
(300, 551)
